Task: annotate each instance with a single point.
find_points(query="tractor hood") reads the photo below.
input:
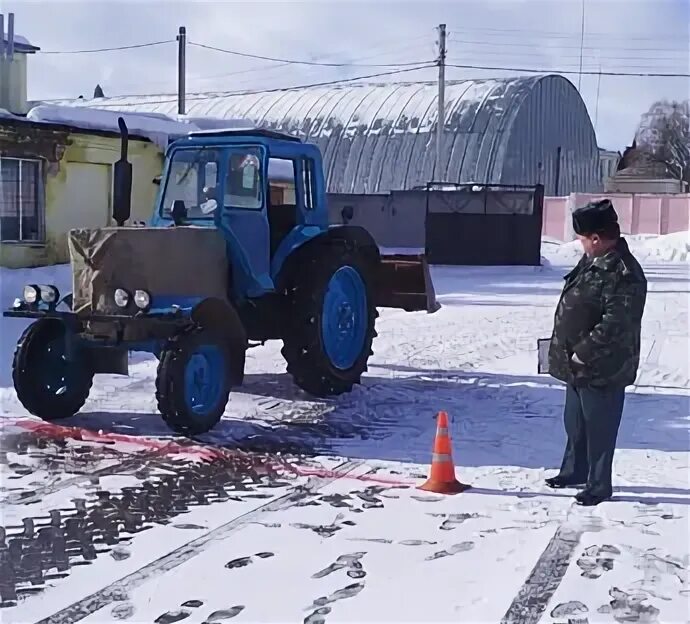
(175, 266)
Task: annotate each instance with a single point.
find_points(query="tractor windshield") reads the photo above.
(192, 178)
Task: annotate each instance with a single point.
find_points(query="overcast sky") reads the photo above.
(642, 36)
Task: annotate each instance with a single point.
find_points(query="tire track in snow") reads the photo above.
(24, 498)
(114, 592)
(531, 601)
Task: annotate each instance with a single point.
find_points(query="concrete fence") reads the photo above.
(638, 213)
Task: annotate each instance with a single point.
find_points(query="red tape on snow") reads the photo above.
(170, 447)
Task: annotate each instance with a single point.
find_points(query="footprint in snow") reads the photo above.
(374, 540)
(120, 553)
(173, 616)
(629, 608)
(241, 562)
(452, 550)
(350, 561)
(427, 499)
(224, 614)
(596, 560)
(340, 594)
(327, 530)
(416, 542)
(122, 611)
(188, 527)
(566, 609)
(453, 520)
(318, 617)
(194, 604)
(336, 500)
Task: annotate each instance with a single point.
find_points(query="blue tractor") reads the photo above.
(238, 251)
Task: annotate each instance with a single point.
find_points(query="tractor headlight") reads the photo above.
(142, 299)
(50, 294)
(32, 294)
(121, 298)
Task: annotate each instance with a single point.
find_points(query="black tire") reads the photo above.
(47, 385)
(303, 345)
(172, 391)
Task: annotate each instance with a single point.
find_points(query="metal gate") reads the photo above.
(491, 225)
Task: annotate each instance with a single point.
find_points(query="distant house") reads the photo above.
(56, 174)
(639, 172)
(57, 177)
(608, 163)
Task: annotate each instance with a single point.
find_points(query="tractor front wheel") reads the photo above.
(49, 383)
(332, 314)
(193, 381)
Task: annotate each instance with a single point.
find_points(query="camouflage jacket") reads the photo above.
(598, 318)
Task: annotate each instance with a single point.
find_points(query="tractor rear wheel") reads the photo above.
(48, 384)
(332, 315)
(193, 381)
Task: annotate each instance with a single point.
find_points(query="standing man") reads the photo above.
(595, 349)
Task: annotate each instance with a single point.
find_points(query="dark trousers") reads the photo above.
(592, 417)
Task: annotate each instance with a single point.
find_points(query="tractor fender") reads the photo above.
(357, 237)
(221, 317)
(352, 236)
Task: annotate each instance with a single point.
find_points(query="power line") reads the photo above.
(271, 68)
(583, 73)
(552, 34)
(204, 95)
(566, 47)
(300, 62)
(115, 49)
(564, 61)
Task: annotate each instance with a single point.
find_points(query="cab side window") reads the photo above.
(244, 183)
(282, 183)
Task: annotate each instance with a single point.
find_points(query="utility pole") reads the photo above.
(441, 100)
(582, 45)
(181, 69)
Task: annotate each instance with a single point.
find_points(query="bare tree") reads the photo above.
(664, 137)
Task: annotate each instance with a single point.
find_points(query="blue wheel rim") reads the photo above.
(58, 375)
(203, 379)
(344, 319)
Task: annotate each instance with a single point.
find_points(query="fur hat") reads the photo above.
(594, 217)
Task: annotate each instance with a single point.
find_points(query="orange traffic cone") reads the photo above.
(442, 477)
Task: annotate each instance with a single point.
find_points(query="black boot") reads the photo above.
(559, 482)
(585, 498)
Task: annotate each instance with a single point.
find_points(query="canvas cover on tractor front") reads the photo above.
(174, 262)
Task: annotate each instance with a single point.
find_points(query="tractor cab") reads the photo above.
(257, 186)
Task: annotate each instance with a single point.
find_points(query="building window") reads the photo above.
(21, 218)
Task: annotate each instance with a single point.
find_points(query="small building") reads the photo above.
(56, 170)
(608, 163)
(56, 177)
(645, 177)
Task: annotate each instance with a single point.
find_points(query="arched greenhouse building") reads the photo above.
(377, 138)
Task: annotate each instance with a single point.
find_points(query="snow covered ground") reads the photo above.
(296, 510)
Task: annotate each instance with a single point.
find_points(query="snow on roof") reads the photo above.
(378, 137)
(22, 44)
(157, 127)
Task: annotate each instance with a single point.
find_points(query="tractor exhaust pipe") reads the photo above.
(122, 180)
